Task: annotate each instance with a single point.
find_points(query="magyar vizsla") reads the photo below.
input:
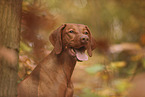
(52, 77)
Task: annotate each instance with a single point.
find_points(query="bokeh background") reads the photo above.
(118, 26)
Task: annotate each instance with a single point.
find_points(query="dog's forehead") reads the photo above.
(75, 26)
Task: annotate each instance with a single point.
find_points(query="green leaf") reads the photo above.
(121, 85)
(88, 93)
(94, 69)
(24, 47)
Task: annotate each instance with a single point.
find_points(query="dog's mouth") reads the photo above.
(79, 53)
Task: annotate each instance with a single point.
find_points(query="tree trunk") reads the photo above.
(10, 17)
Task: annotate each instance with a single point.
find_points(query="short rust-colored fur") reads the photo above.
(52, 77)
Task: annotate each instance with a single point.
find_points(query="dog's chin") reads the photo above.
(78, 53)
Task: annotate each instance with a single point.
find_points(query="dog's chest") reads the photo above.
(53, 80)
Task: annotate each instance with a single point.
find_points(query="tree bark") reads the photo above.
(10, 19)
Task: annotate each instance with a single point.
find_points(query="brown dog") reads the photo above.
(52, 77)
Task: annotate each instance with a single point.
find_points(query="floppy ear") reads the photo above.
(55, 39)
(92, 43)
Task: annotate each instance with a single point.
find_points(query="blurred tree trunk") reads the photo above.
(10, 18)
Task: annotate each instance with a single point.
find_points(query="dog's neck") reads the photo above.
(67, 63)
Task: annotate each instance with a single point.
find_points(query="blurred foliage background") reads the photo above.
(117, 25)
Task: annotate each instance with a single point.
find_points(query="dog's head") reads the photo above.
(75, 38)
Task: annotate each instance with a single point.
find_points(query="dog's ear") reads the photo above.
(92, 43)
(56, 39)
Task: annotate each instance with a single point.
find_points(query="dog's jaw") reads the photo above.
(78, 53)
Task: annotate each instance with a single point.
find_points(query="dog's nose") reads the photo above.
(84, 39)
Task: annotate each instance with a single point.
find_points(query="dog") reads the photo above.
(52, 76)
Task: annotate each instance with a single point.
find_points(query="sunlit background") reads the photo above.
(117, 25)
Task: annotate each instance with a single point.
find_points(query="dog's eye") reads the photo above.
(71, 31)
(86, 33)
